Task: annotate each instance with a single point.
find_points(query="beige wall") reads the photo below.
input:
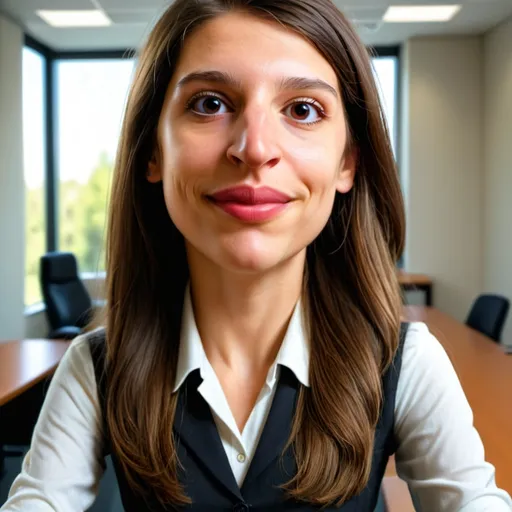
(442, 166)
(36, 325)
(497, 210)
(12, 188)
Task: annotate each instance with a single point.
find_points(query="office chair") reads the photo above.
(68, 304)
(488, 315)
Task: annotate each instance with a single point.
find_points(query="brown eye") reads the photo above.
(301, 110)
(208, 106)
(304, 112)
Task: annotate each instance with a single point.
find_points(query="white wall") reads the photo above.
(12, 189)
(497, 211)
(441, 157)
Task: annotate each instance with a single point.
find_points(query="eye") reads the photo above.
(305, 111)
(207, 104)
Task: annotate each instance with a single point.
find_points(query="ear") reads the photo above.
(347, 172)
(154, 171)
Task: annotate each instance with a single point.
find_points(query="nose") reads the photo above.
(255, 145)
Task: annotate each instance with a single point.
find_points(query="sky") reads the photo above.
(91, 99)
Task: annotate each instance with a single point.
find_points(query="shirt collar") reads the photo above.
(293, 353)
(191, 351)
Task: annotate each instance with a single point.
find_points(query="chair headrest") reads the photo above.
(59, 267)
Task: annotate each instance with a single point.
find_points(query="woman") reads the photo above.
(253, 357)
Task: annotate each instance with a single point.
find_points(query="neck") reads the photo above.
(242, 317)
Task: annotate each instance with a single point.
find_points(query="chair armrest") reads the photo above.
(67, 332)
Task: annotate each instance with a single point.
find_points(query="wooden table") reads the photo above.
(24, 363)
(25, 366)
(413, 282)
(485, 372)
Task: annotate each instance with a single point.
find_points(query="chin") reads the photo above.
(248, 262)
(243, 252)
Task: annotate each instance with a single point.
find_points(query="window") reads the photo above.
(91, 96)
(34, 169)
(385, 69)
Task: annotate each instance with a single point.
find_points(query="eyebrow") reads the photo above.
(217, 77)
(307, 84)
(286, 83)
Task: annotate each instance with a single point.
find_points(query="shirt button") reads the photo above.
(241, 507)
(240, 457)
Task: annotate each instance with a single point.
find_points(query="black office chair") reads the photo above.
(68, 304)
(488, 315)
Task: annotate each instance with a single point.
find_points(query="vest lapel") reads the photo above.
(276, 431)
(196, 428)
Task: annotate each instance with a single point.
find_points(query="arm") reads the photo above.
(440, 454)
(62, 469)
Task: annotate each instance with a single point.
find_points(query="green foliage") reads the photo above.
(82, 225)
(35, 233)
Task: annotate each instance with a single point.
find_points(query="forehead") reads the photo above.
(252, 47)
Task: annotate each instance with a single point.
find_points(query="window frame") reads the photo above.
(43, 53)
(51, 129)
(393, 51)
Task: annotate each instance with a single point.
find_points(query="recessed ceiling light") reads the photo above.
(420, 13)
(92, 18)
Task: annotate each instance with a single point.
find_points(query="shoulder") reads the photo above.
(77, 362)
(79, 350)
(421, 348)
(73, 391)
(95, 341)
(427, 374)
(94, 338)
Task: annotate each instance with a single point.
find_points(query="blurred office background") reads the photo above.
(445, 77)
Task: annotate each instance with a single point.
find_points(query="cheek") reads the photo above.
(187, 156)
(181, 181)
(318, 165)
(188, 164)
(318, 168)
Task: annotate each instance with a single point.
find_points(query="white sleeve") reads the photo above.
(62, 469)
(440, 454)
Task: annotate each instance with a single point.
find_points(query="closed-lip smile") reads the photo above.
(251, 204)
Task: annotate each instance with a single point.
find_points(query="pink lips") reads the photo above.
(251, 204)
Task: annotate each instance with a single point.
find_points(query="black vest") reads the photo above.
(207, 477)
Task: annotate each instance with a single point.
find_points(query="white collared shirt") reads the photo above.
(240, 446)
(440, 454)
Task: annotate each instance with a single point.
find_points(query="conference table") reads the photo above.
(485, 372)
(24, 363)
(25, 367)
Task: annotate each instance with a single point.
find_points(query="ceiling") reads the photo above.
(132, 19)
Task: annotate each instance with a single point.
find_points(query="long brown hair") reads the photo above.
(351, 294)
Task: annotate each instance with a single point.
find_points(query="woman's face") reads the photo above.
(251, 143)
